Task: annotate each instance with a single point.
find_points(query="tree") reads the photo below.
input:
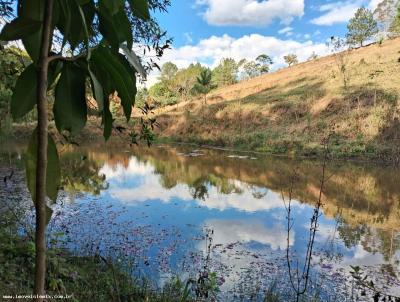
(263, 63)
(168, 72)
(141, 97)
(226, 72)
(395, 25)
(70, 43)
(204, 83)
(167, 79)
(313, 56)
(361, 27)
(251, 69)
(291, 59)
(12, 62)
(186, 79)
(341, 53)
(384, 14)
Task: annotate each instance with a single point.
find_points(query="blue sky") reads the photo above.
(207, 30)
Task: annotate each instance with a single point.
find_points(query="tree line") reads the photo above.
(176, 84)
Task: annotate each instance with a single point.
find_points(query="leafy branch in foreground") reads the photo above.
(72, 43)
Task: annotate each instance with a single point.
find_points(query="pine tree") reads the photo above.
(204, 83)
(361, 27)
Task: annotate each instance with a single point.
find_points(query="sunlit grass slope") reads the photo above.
(294, 109)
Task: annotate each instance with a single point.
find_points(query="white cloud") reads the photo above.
(243, 257)
(337, 12)
(251, 12)
(341, 11)
(285, 30)
(121, 188)
(211, 50)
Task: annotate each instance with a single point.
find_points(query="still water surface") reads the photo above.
(152, 209)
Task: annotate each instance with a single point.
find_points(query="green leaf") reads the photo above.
(140, 8)
(107, 121)
(70, 108)
(124, 28)
(133, 60)
(86, 33)
(108, 27)
(53, 174)
(113, 6)
(32, 9)
(116, 76)
(19, 28)
(53, 72)
(97, 90)
(131, 72)
(71, 24)
(24, 96)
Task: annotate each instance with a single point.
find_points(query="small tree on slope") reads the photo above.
(204, 83)
(361, 27)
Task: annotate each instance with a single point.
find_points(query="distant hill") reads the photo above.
(292, 110)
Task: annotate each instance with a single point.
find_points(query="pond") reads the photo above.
(169, 211)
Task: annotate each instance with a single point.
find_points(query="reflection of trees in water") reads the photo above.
(80, 174)
(364, 200)
(386, 242)
(199, 181)
(351, 234)
(363, 194)
(383, 241)
(199, 189)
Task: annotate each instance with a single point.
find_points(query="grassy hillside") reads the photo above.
(293, 109)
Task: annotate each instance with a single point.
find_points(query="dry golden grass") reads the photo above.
(302, 103)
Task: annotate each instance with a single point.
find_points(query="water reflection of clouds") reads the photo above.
(247, 256)
(125, 187)
(262, 235)
(119, 171)
(247, 231)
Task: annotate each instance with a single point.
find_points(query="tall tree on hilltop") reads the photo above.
(72, 43)
(263, 63)
(361, 27)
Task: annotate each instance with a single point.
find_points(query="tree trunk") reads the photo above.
(41, 168)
